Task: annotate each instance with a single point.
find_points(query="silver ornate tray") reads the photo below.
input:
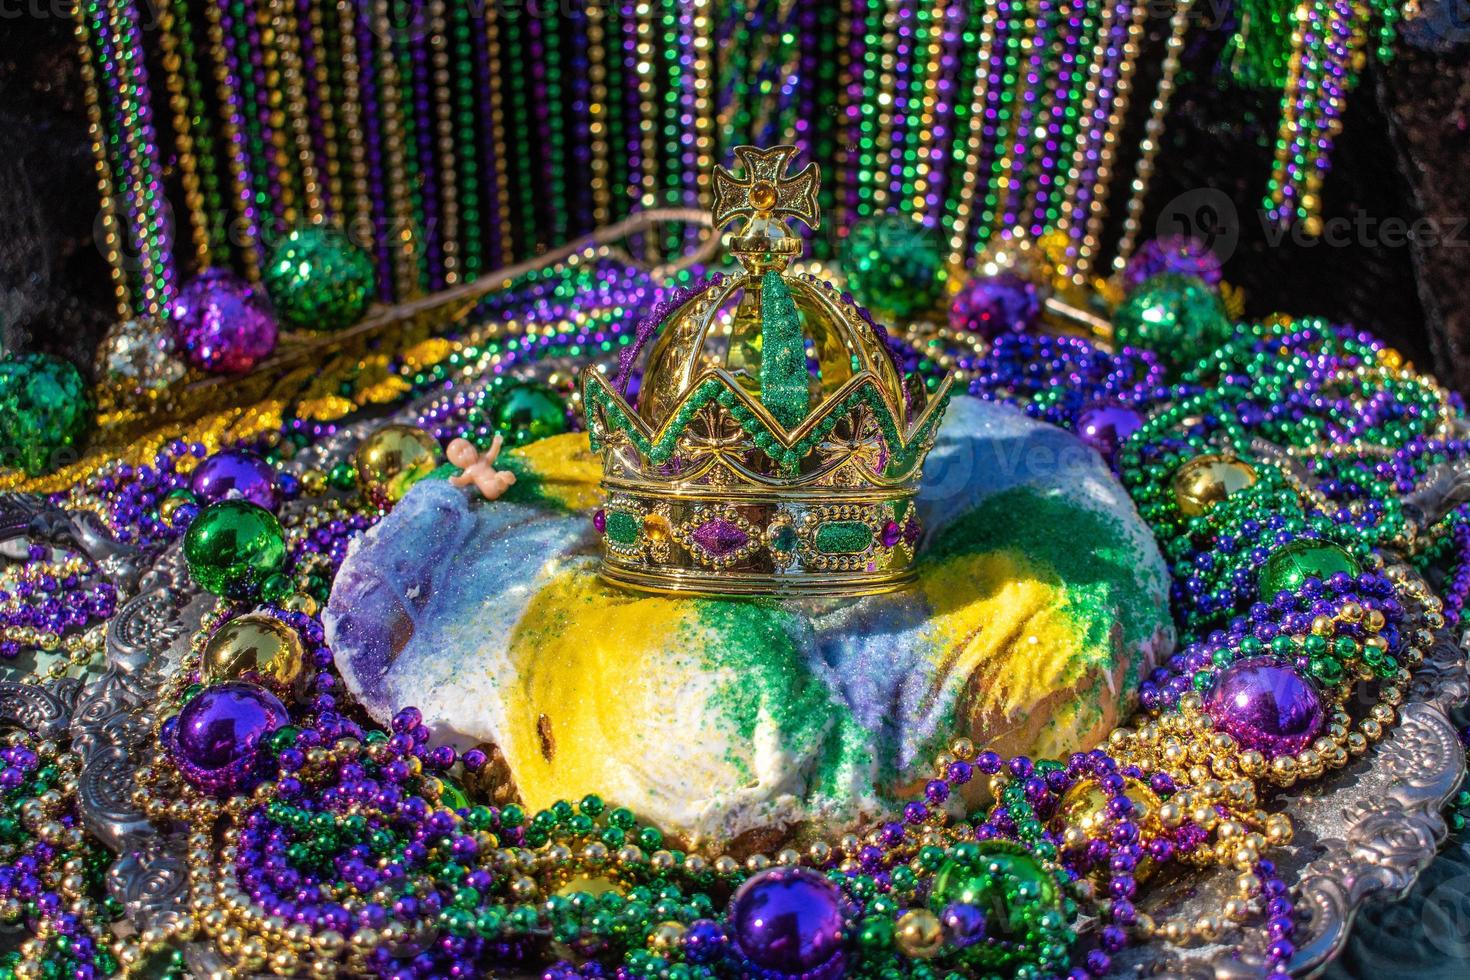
(1364, 834)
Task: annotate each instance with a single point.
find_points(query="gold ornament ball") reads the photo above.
(259, 644)
(919, 934)
(392, 460)
(1085, 806)
(594, 885)
(666, 936)
(1204, 481)
(169, 506)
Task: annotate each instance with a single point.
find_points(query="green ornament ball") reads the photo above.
(525, 411)
(893, 264)
(46, 410)
(1180, 318)
(1012, 888)
(1293, 563)
(235, 549)
(318, 280)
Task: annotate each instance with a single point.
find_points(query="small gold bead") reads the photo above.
(666, 936)
(919, 935)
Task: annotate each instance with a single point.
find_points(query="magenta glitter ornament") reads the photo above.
(222, 324)
(1266, 706)
(993, 305)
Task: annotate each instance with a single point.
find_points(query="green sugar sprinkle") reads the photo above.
(1085, 551)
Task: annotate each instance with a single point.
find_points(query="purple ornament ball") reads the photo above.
(994, 305)
(1104, 426)
(217, 738)
(1266, 706)
(1180, 254)
(705, 941)
(222, 324)
(788, 920)
(239, 474)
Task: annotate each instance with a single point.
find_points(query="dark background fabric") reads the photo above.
(1401, 159)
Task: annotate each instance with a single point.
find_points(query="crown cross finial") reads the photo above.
(764, 191)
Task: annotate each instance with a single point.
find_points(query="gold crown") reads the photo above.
(775, 448)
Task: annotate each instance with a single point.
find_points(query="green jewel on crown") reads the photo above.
(775, 448)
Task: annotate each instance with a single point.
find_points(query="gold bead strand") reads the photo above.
(704, 120)
(336, 201)
(1143, 171)
(846, 161)
(1117, 116)
(245, 231)
(1289, 121)
(168, 26)
(597, 110)
(401, 232)
(1012, 140)
(444, 143)
(267, 20)
(500, 189)
(284, 23)
(111, 241)
(647, 115)
(1093, 88)
(358, 217)
(883, 152)
(927, 157)
(963, 212)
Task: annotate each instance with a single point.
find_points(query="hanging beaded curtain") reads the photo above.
(453, 137)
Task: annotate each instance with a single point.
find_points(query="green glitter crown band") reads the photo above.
(775, 448)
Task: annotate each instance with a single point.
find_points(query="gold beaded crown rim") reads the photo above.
(709, 488)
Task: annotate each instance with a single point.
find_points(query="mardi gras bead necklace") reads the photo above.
(109, 34)
(183, 96)
(1314, 52)
(111, 240)
(354, 118)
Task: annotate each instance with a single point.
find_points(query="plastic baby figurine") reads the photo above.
(480, 469)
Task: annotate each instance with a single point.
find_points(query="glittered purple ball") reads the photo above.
(1172, 253)
(788, 920)
(219, 732)
(222, 323)
(1266, 706)
(229, 475)
(1105, 426)
(993, 305)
